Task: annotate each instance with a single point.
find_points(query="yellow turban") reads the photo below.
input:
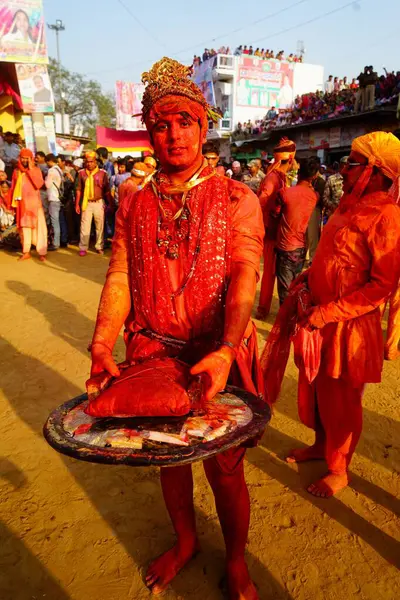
(383, 152)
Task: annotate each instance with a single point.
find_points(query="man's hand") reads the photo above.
(217, 365)
(102, 360)
(77, 209)
(313, 319)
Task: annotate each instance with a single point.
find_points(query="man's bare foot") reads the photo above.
(240, 585)
(261, 314)
(392, 354)
(314, 452)
(328, 485)
(164, 568)
(25, 256)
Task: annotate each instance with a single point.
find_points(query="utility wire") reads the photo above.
(271, 35)
(134, 17)
(224, 35)
(313, 20)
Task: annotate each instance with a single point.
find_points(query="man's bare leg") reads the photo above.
(177, 487)
(314, 452)
(233, 507)
(340, 411)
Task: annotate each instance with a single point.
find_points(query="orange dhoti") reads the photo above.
(392, 347)
(332, 407)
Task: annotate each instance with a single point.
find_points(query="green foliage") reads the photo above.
(84, 100)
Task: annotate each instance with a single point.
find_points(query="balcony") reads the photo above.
(221, 129)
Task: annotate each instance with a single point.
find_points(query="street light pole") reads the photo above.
(57, 28)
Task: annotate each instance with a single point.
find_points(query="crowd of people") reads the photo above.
(51, 201)
(340, 98)
(248, 51)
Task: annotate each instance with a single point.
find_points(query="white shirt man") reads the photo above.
(54, 182)
(329, 85)
(55, 190)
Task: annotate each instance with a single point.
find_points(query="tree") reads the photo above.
(84, 100)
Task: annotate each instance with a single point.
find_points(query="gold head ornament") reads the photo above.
(168, 77)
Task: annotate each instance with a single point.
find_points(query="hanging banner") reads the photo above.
(334, 137)
(69, 147)
(22, 32)
(264, 83)
(128, 99)
(51, 133)
(203, 77)
(35, 88)
(28, 133)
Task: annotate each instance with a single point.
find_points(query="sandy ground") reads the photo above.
(79, 531)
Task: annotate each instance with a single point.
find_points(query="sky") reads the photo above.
(105, 41)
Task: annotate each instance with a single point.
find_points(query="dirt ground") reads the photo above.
(79, 531)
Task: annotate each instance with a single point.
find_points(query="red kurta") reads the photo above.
(354, 271)
(27, 208)
(225, 226)
(356, 268)
(268, 194)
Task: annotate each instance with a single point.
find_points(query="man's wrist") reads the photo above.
(228, 350)
(100, 342)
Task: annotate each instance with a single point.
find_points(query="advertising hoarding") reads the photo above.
(35, 88)
(264, 83)
(22, 32)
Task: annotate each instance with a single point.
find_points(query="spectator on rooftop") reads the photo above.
(245, 50)
(329, 85)
(257, 52)
(238, 51)
(272, 113)
(336, 85)
(251, 52)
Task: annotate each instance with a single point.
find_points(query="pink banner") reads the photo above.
(129, 103)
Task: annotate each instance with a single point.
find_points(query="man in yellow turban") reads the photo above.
(92, 194)
(355, 270)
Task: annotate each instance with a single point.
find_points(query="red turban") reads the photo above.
(25, 153)
(174, 104)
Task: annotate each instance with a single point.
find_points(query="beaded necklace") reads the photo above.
(173, 227)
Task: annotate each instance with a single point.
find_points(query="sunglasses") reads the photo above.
(354, 164)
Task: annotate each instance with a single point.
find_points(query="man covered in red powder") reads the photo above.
(355, 270)
(182, 279)
(273, 184)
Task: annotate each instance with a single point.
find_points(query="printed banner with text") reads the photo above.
(35, 88)
(264, 83)
(22, 32)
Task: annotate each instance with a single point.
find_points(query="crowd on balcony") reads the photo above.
(246, 50)
(339, 98)
(267, 54)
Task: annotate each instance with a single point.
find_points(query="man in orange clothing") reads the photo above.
(184, 269)
(26, 184)
(392, 346)
(355, 270)
(295, 209)
(140, 171)
(273, 184)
